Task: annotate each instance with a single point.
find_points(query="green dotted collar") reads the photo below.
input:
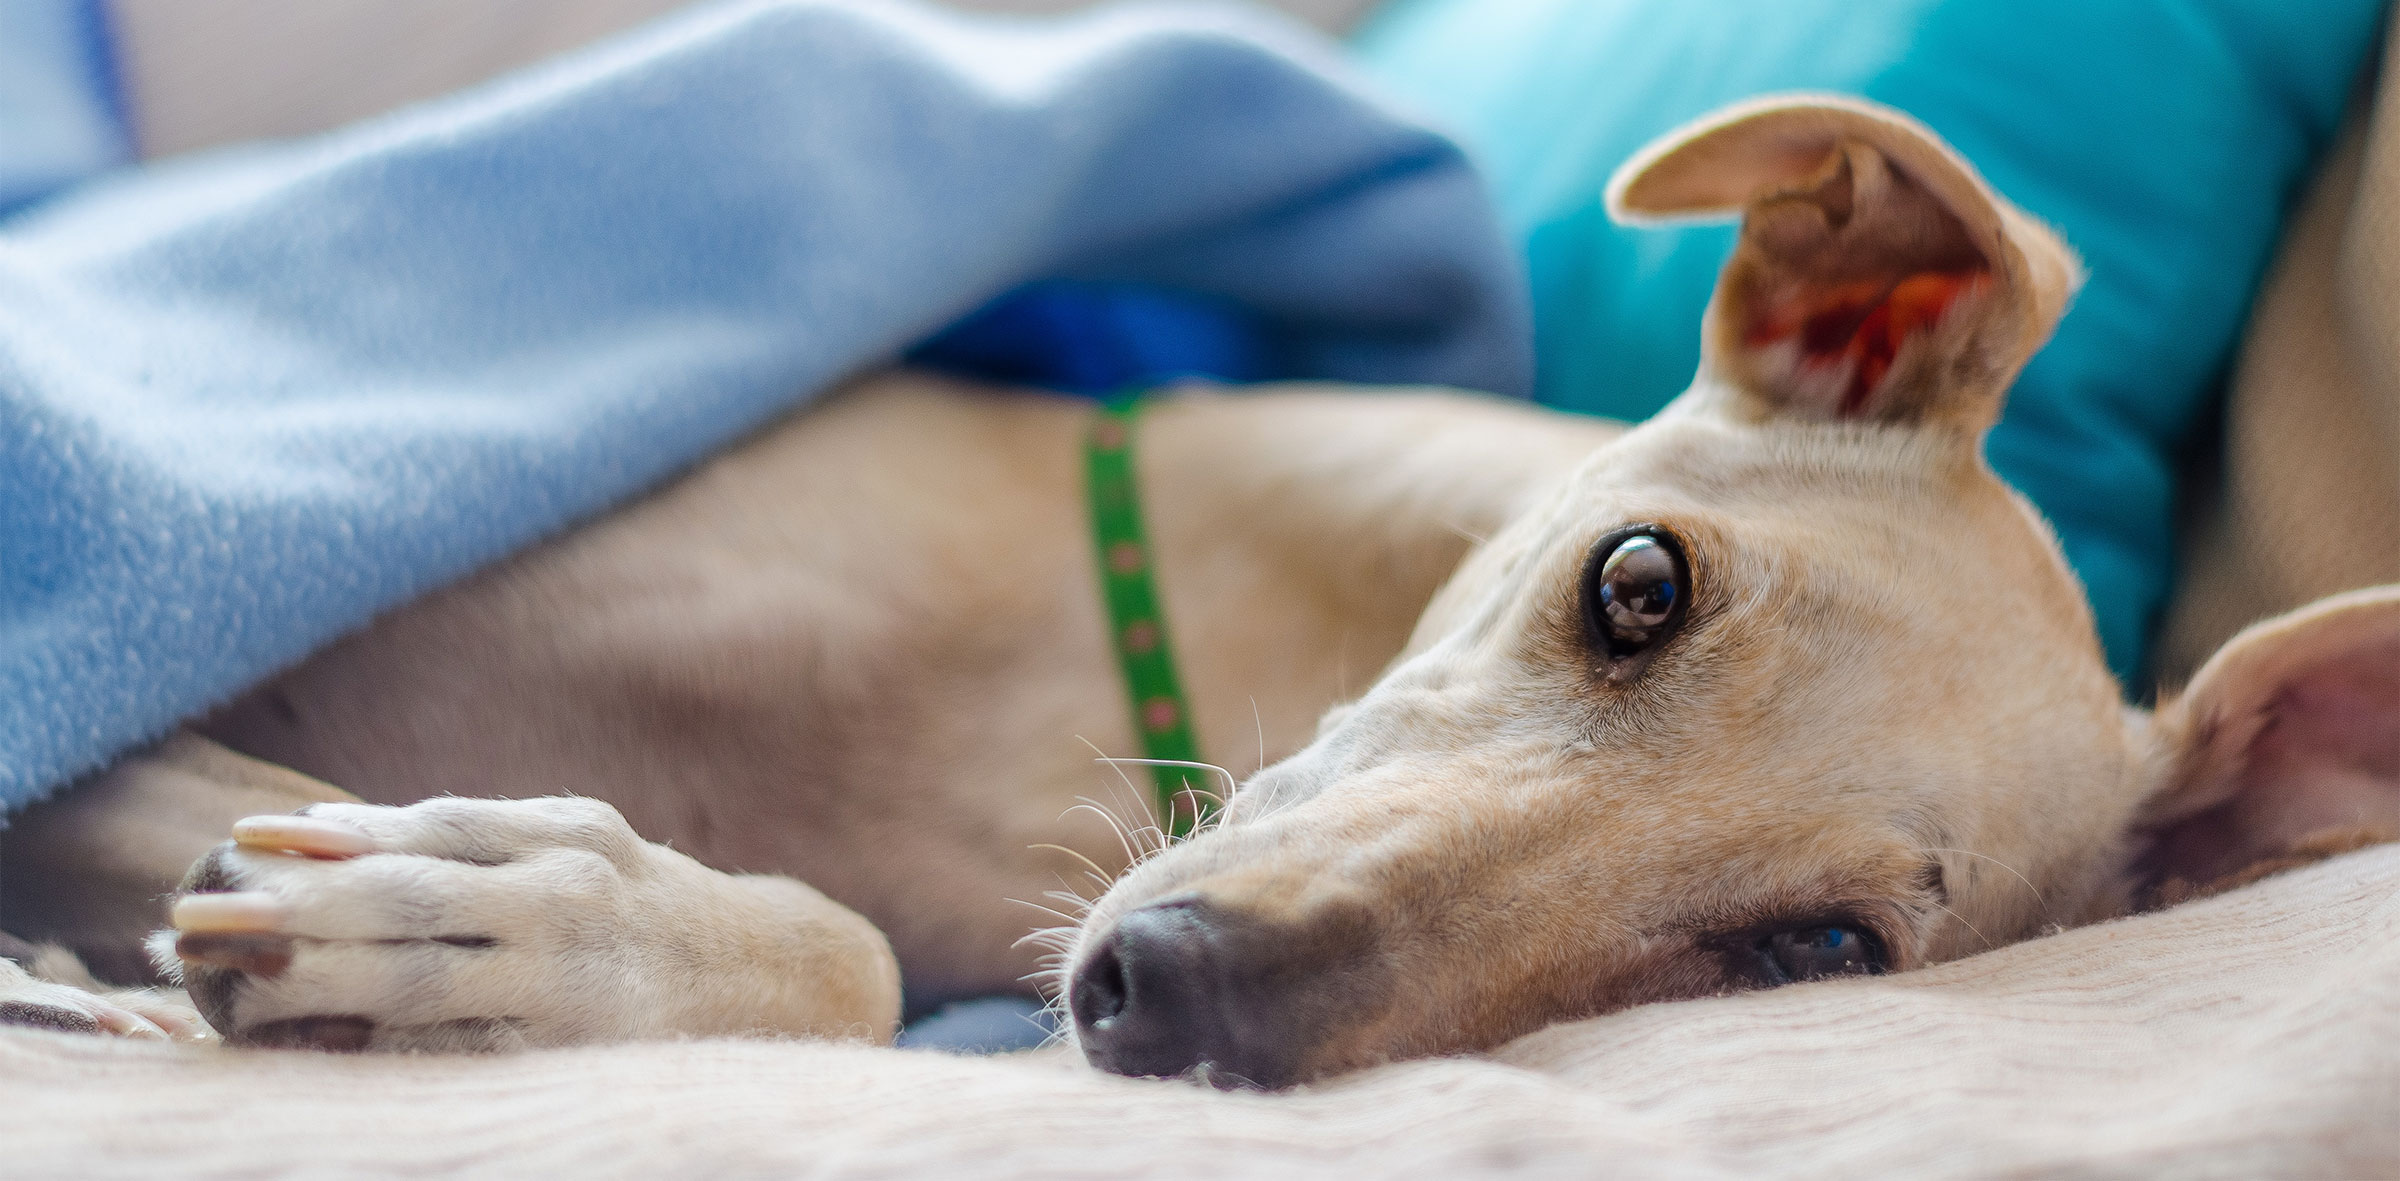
(1162, 715)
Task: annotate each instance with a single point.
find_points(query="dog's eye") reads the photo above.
(1813, 953)
(1634, 591)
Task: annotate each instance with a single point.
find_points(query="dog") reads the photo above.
(1783, 685)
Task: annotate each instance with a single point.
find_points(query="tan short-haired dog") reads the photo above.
(1783, 684)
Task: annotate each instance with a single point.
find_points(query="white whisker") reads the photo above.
(1149, 832)
(1261, 724)
(1094, 865)
(1057, 939)
(1103, 758)
(1962, 919)
(1069, 897)
(1230, 784)
(2037, 890)
(1116, 827)
(1051, 911)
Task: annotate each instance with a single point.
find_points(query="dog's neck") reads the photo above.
(1299, 537)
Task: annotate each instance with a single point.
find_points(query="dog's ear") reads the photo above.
(1877, 277)
(2285, 747)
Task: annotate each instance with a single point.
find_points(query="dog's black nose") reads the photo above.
(1174, 987)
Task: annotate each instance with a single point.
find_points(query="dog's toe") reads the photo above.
(248, 952)
(138, 1014)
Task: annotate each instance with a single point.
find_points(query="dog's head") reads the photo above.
(1785, 684)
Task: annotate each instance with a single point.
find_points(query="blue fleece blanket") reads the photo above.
(250, 401)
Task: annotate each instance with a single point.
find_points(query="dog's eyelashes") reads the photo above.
(1814, 953)
(1634, 591)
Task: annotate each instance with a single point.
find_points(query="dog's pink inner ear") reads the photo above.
(1856, 292)
(1847, 334)
(2305, 766)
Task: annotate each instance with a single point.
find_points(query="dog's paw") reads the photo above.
(452, 924)
(137, 1014)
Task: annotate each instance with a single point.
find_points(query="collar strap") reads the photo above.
(1162, 715)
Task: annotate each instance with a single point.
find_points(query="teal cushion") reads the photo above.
(2166, 139)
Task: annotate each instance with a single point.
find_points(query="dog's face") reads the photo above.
(1785, 684)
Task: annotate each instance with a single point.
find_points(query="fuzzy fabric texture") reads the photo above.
(2308, 500)
(2247, 1035)
(60, 119)
(248, 401)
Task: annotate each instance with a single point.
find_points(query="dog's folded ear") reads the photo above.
(1877, 276)
(2284, 748)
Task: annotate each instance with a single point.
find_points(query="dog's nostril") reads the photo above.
(1098, 994)
(1177, 986)
(1144, 999)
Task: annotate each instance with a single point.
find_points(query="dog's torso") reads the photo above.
(867, 649)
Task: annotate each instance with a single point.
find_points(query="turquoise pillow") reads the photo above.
(2165, 139)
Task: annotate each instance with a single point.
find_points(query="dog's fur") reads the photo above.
(862, 649)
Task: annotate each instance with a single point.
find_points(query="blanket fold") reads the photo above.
(249, 400)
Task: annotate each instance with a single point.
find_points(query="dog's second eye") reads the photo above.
(1635, 593)
(1813, 953)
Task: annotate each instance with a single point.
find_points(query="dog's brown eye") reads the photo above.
(1634, 592)
(1813, 953)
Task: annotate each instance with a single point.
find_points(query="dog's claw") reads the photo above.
(309, 836)
(238, 911)
(252, 952)
(127, 1023)
(180, 1026)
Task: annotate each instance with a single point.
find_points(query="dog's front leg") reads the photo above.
(489, 924)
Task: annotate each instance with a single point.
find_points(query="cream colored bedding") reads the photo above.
(2254, 1034)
